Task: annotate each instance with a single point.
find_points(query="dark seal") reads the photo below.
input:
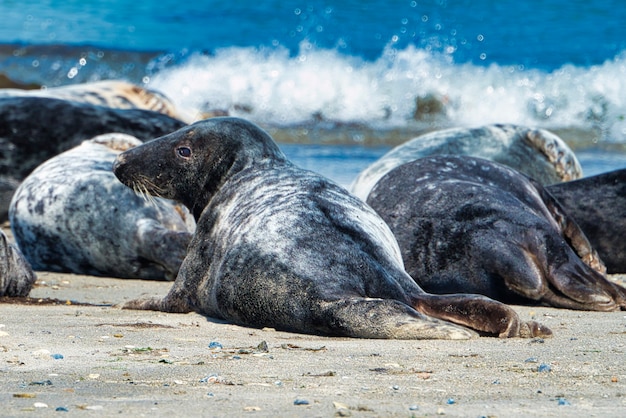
(34, 129)
(16, 275)
(279, 246)
(598, 204)
(470, 225)
(72, 215)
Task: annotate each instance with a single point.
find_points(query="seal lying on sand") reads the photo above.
(536, 152)
(468, 225)
(115, 94)
(278, 246)
(16, 276)
(34, 129)
(598, 204)
(72, 215)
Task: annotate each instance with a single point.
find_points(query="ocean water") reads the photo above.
(364, 75)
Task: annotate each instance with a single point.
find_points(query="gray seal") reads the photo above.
(114, 94)
(279, 246)
(16, 275)
(598, 204)
(34, 128)
(536, 152)
(469, 225)
(72, 215)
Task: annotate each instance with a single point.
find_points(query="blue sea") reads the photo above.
(339, 82)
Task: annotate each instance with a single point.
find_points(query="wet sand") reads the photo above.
(99, 360)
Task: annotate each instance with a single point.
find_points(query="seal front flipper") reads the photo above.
(158, 304)
(480, 313)
(16, 275)
(537, 265)
(176, 300)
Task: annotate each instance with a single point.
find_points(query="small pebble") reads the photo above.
(413, 408)
(41, 383)
(531, 360)
(300, 402)
(542, 368)
(41, 353)
(40, 405)
(212, 378)
(61, 409)
(396, 387)
(252, 408)
(214, 345)
(563, 401)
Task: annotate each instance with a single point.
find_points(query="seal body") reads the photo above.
(536, 152)
(114, 94)
(73, 215)
(16, 276)
(278, 246)
(470, 225)
(598, 204)
(34, 129)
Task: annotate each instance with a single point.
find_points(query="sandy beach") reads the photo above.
(82, 355)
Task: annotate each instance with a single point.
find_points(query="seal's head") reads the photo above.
(189, 165)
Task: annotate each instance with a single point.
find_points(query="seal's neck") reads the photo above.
(227, 167)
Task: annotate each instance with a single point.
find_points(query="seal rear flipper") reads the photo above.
(386, 318)
(479, 313)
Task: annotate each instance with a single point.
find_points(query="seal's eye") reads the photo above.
(183, 152)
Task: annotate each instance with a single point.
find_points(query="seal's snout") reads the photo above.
(119, 166)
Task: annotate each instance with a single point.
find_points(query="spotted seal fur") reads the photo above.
(536, 152)
(279, 246)
(16, 275)
(73, 215)
(598, 204)
(34, 129)
(116, 94)
(469, 225)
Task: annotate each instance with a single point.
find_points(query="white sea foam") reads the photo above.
(272, 86)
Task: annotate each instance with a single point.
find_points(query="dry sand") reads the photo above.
(136, 363)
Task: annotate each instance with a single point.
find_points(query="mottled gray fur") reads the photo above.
(536, 152)
(278, 246)
(73, 215)
(16, 275)
(468, 225)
